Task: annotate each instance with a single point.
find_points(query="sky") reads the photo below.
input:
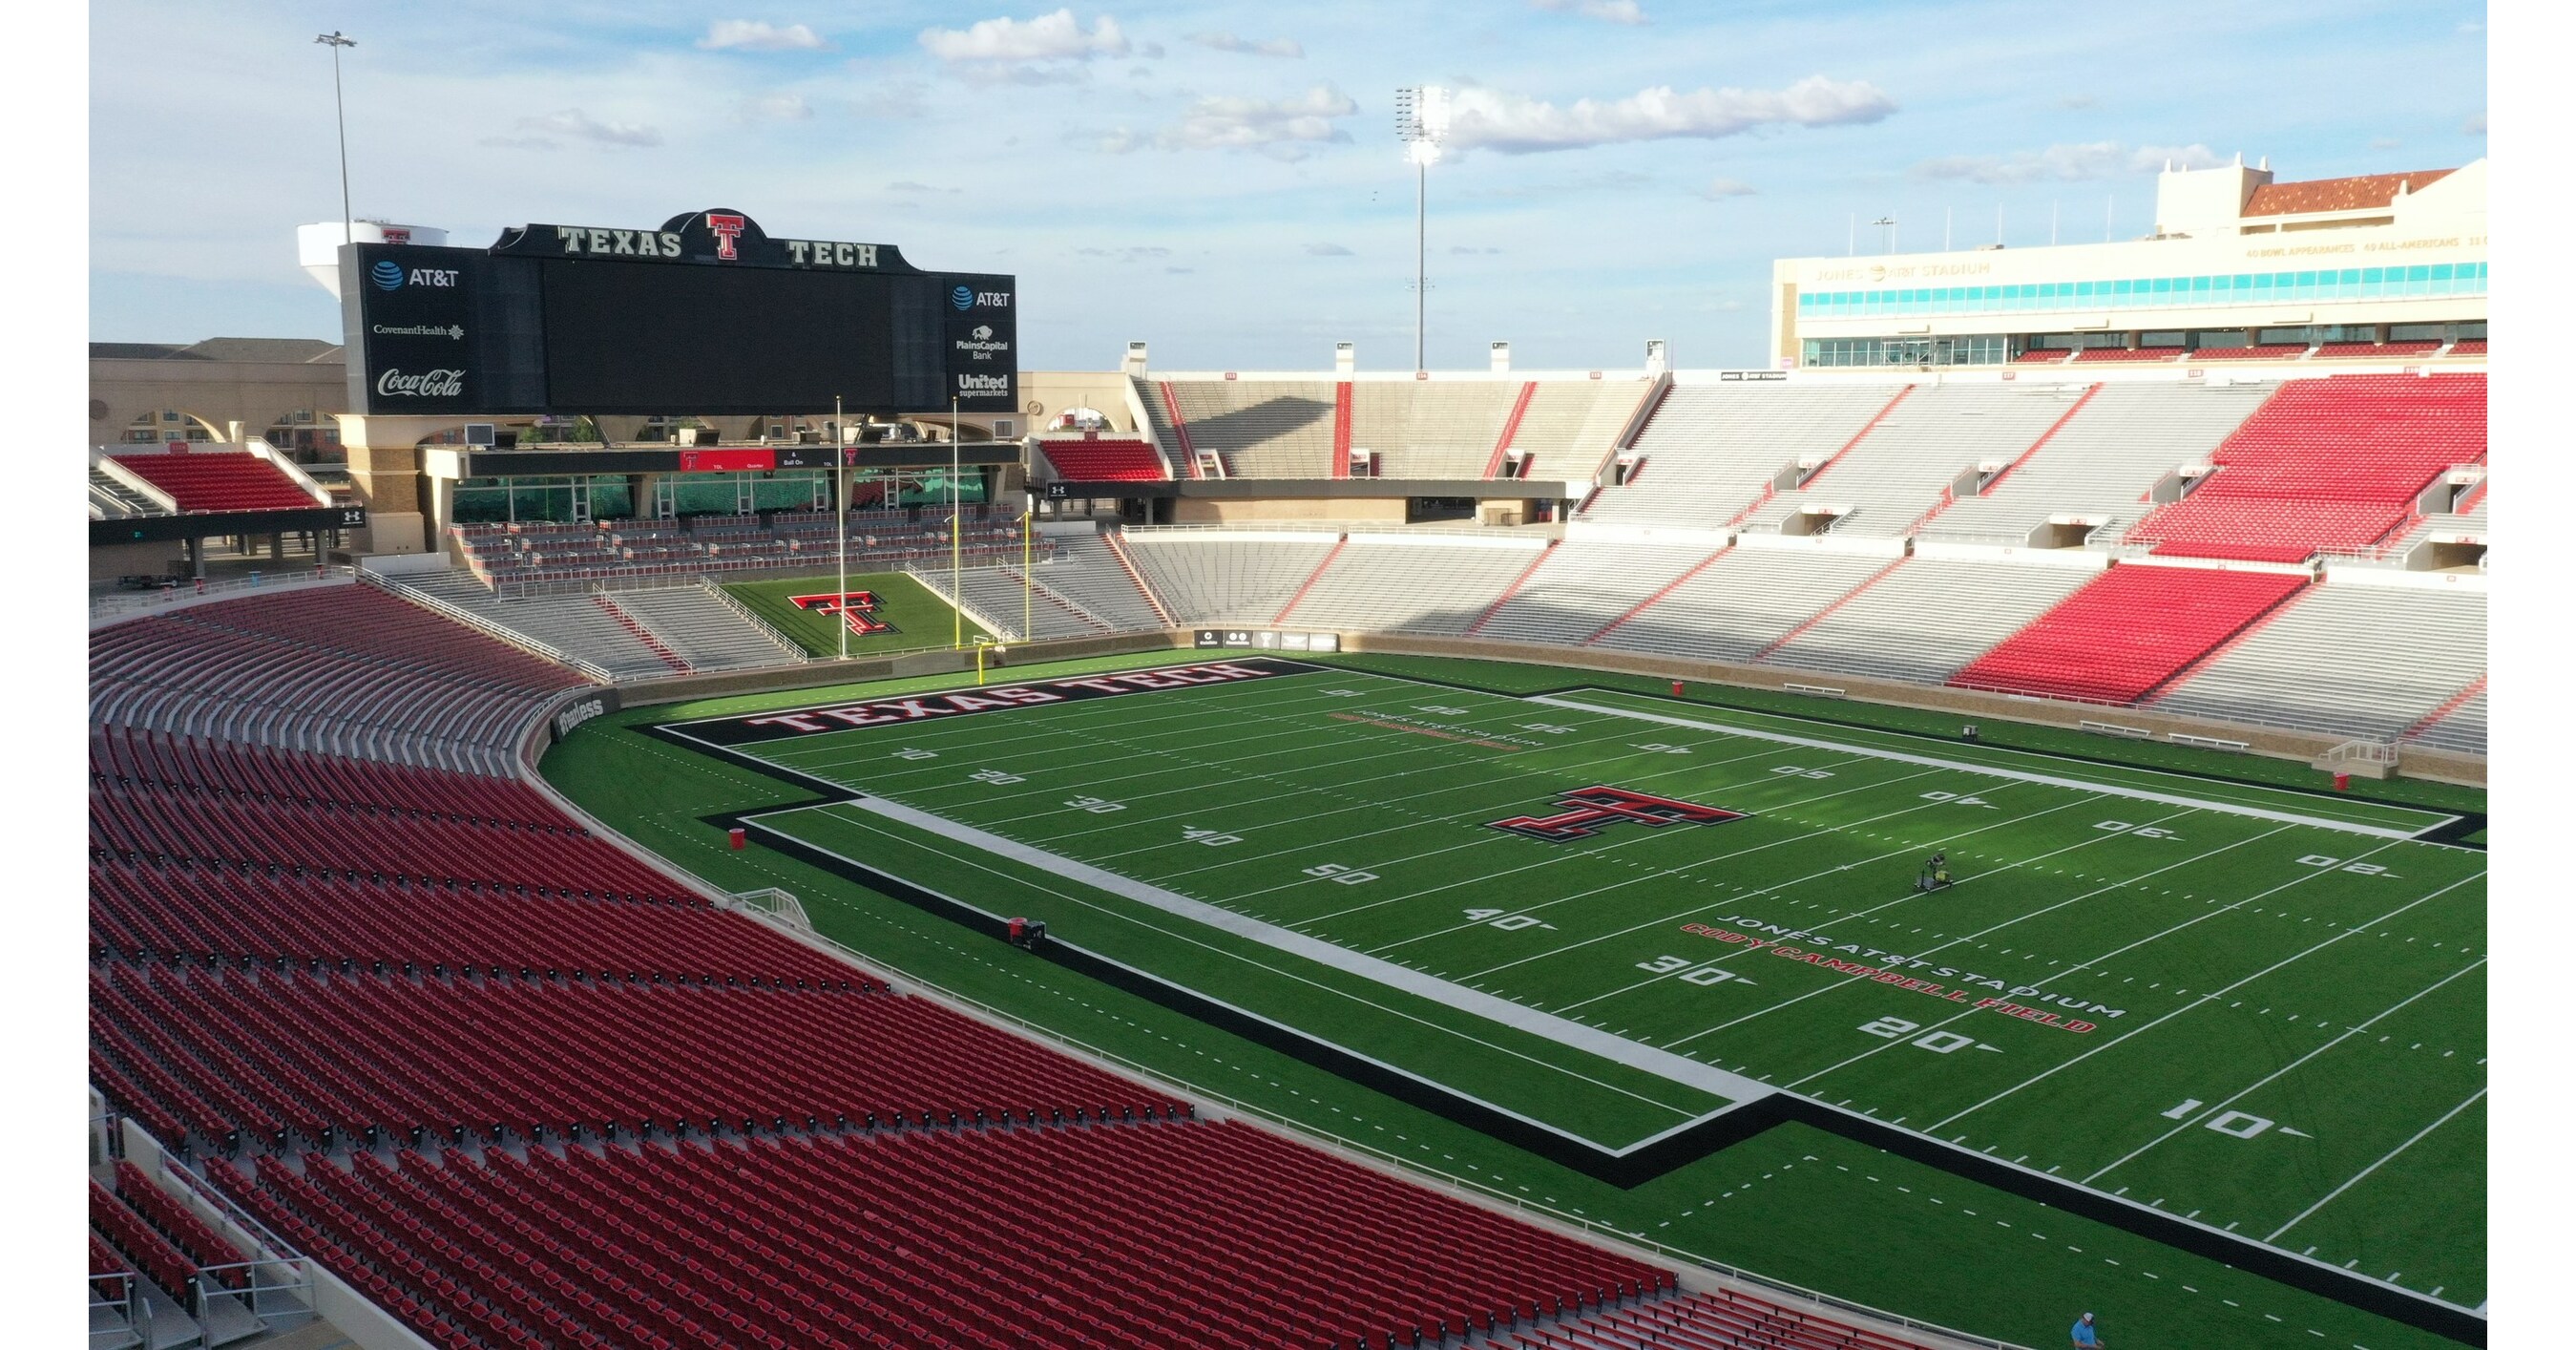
(1225, 181)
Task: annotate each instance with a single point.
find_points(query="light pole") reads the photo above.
(1421, 122)
(841, 518)
(1890, 223)
(340, 116)
(956, 535)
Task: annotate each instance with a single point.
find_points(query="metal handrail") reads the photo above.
(796, 654)
(589, 669)
(137, 602)
(1317, 1133)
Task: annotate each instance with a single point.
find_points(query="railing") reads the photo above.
(276, 1289)
(657, 576)
(590, 670)
(116, 603)
(1317, 1135)
(133, 1310)
(772, 903)
(796, 654)
(1343, 527)
(932, 582)
(2362, 752)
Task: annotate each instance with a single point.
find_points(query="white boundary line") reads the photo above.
(2024, 775)
(2391, 1154)
(1563, 1031)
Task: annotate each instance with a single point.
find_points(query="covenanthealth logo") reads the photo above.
(388, 275)
(963, 297)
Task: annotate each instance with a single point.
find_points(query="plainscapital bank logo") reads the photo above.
(427, 384)
(388, 275)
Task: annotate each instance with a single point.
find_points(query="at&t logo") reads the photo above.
(963, 297)
(388, 275)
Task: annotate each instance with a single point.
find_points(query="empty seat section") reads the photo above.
(1928, 618)
(2100, 466)
(1224, 1236)
(1569, 427)
(1104, 460)
(1417, 583)
(2353, 660)
(575, 624)
(227, 480)
(1907, 463)
(1742, 603)
(997, 599)
(1431, 428)
(1229, 577)
(1583, 585)
(2128, 632)
(1712, 450)
(1261, 428)
(703, 630)
(2335, 463)
(2462, 728)
(1088, 574)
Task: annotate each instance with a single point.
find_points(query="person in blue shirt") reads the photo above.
(2085, 1337)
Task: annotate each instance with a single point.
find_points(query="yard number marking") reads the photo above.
(1958, 800)
(1211, 838)
(1550, 728)
(1801, 771)
(2359, 868)
(995, 776)
(1335, 872)
(2141, 831)
(1095, 805)
(1938, 1042)
(909, 752)
(1440, 709)
(1659, 748)
(1679, 967)
(1509, 923)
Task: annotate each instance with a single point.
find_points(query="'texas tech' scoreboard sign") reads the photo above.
(707, 314)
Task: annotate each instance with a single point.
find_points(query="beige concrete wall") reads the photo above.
(253, 393)
(1054, 391)
(1221, 511)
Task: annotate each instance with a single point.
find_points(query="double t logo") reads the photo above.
(1586, 810)
(858, 609)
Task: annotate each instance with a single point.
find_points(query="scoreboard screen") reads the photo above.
(707, 315)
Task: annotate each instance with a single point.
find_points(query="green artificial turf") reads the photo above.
(1299, 787)
(920, 617)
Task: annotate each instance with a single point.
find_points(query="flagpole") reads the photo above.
(1027, 582)
(841, 520)
(956, 532)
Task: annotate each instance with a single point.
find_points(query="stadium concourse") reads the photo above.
(360, 997)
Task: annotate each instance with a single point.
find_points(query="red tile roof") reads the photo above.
(2337, 194)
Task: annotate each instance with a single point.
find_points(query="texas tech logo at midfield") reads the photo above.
(858, 609)
(1586, 810)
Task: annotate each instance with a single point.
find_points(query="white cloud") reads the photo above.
(574, 124)
(1719, 188)
(1228, 42)
(2077, 102)
(1461, 250)
(2068, 163)
(1048, 37)
(775, 108)
(753, 35)
(2476, 125)
(907, 185)
(1608, 11)
(1282, 129)
(1328, 251)
(1513, 124)
(1131, 253)
(2385, 142)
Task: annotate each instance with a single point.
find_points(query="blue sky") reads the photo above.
(1223, 180)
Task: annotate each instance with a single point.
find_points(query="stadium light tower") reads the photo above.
(340, 116)
(1422, 123)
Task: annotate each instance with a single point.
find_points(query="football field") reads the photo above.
(1616, 918)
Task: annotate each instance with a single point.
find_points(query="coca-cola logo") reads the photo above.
(427, 384)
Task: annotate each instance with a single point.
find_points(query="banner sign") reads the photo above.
(883, 712)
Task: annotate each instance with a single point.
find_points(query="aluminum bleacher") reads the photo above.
(576, 625)
(1412, 583)
(1743, 602)
(2100, 465)
(706, 629)
(1262, 428)
(1925, 620)
(2461, 727)
(1227, 577)
(996, 598)
(2354, 660)
(2129, 632)
(1431, 428)
(1570, 426)
(1584, 585)
(2335, 463)
(1713, 450)
(1085, 572)
(1905, 465)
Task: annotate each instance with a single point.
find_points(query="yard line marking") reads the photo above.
(2392, 1153)
(2276, 1073)
(1563, 1031)
(1734, 952)
(2217, 994)
(2023, 775)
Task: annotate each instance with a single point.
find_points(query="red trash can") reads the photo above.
(1677, 689)
(734, 836)
(2343, 782)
